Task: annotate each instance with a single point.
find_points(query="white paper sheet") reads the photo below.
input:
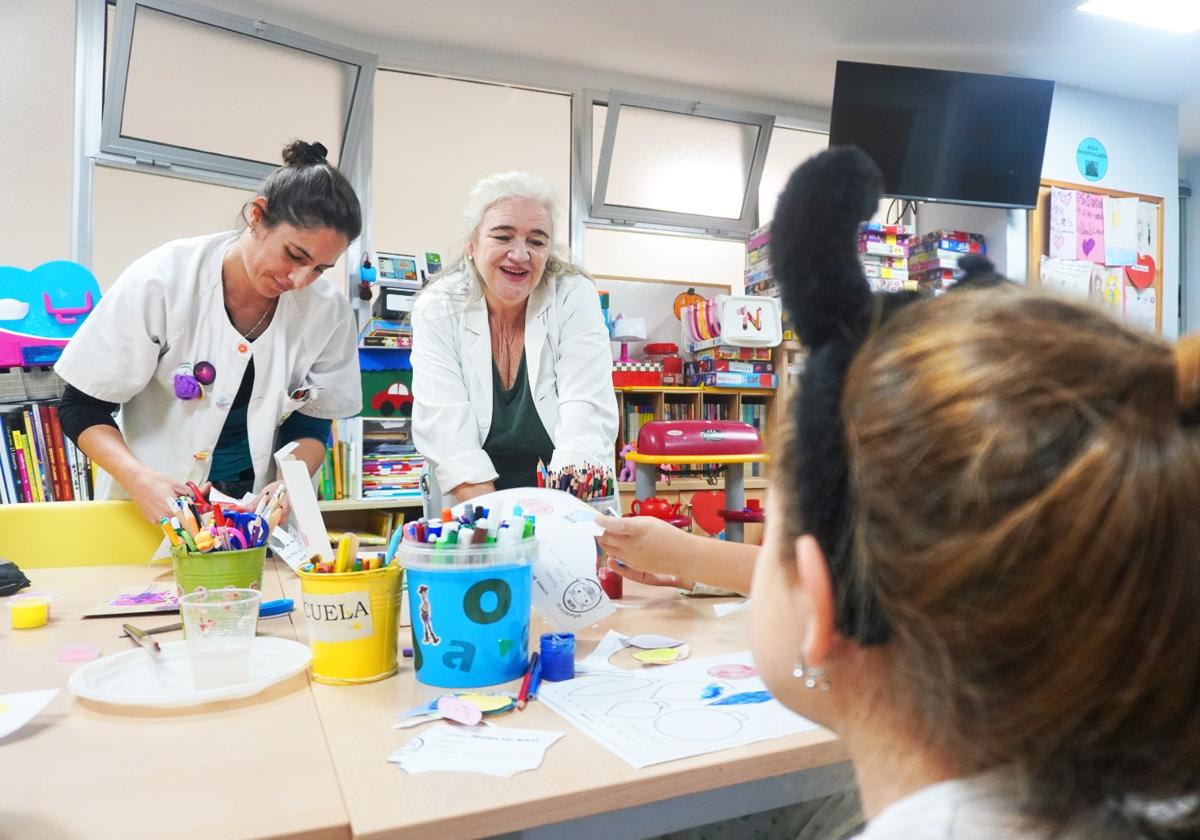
(1108, 288)
(1139, 305)
(1120, 230)
(658, 714)
(565, 588)
(1147, 235)
(597, 660)
(1068, 277)
(494, 750)
(18, 709)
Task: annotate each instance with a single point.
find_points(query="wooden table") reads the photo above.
(257, 767)
(579, 780)
(304, 759)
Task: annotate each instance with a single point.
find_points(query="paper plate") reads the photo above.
(133, 678)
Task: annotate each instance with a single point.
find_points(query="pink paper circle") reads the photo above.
(733, 672)
(79, 653)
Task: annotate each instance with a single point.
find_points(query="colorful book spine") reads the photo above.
(31, 464)
(22, 470)
(60, 446)
(42, 415)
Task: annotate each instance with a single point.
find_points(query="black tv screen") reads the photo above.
(938, 135)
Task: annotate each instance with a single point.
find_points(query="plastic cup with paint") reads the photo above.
(28, 612)
(219, 625)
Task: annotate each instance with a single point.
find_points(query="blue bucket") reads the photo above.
(470, 611)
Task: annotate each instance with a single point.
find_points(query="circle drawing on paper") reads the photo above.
(733, 672)
(603, 687)
(582, 595)
(698, 725)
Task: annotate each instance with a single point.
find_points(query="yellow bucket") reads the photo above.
(352, 624)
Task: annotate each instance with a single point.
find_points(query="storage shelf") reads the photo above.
(369, 504)
(667, 390)
(687, 485)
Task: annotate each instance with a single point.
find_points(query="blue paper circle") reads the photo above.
(1092, 159)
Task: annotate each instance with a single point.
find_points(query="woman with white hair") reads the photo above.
(511, 360)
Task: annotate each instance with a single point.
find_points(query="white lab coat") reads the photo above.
(569, 361)
(167, 309)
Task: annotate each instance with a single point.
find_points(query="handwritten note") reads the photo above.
(1120, 230)
(1062, 223)
(1089, 227)
(1068, 277)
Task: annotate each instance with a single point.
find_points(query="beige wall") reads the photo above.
(37, 83)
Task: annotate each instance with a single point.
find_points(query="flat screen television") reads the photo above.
(938, 135)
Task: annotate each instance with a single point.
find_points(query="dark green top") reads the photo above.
(517, 438)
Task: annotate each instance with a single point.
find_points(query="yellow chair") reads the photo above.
(56, 534)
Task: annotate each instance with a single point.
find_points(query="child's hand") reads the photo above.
(650, 578)
(645, 545)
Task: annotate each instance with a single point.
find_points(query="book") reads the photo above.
(727, 365)
(733, 380)
(31, 464)
(59, 441)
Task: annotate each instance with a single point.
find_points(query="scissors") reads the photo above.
(202, 504)
(251, 525)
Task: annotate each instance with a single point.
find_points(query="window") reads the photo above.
(429, 148)
(679, 164)
(789, 148)
(178, 93)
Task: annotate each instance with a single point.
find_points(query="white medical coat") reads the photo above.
(168, 309)
(569, 361)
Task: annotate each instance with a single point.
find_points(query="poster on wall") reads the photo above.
(1071, 278)
(1089, 227)
(1108, 286)
(1092, 159)
(1063, 243)
(1147, 229)
(1140, 306)
(1120, 230)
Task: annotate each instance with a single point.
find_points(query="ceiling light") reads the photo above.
(1180, 16)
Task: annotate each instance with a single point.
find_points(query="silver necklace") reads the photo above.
(249, 334)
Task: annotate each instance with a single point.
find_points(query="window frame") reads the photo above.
(165, 155)
(600, 209)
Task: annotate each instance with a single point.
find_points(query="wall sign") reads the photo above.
(1092, 159)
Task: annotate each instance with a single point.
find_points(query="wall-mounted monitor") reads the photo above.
(938, 135)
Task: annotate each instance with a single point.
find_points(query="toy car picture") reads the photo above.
(395, 398)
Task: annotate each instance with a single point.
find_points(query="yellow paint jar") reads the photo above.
(28, 613)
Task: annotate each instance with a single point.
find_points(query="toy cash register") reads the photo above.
(725, 442)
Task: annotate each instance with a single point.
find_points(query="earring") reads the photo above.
(813, 676)
(470, 258)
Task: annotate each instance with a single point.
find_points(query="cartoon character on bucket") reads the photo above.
(431, 638)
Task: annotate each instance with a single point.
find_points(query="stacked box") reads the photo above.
(883, 250)
(933, 257)
(723, 365)
(732, 380)
(731, 353)
(759, 279)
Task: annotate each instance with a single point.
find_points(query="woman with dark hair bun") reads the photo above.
(221, 348)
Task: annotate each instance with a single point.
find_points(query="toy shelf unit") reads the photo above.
(728, 445)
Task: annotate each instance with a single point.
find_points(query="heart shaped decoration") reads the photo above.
(706, 507)
(1058, 242)
(1142, 273)
(1088, 244)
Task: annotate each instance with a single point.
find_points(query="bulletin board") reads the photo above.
(1066, 230)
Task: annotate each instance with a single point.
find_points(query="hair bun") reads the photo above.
(299, 153)
(1187, 377)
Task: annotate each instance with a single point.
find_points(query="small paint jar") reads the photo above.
(28, 613)
(558, 656)
(37, 596)
(611, 582)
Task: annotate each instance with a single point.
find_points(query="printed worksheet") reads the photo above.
(657, 714)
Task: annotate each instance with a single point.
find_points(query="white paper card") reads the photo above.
(18, 709)
(494, 750)
(305, 521)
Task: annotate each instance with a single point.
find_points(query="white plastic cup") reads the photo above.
(219, 625)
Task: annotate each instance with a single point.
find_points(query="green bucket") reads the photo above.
(218, 569)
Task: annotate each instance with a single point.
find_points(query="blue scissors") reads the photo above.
(253, 527)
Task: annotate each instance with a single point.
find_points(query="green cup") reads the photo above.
(218, 569)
